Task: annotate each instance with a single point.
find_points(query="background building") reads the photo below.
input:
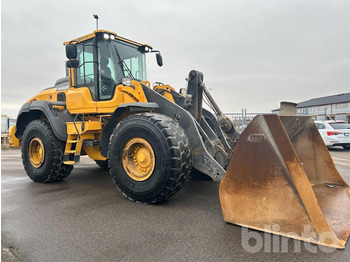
(335, 107)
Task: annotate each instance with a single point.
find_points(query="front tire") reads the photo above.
(149, 157)
(42, 153)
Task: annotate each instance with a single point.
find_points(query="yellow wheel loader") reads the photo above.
(277, 176)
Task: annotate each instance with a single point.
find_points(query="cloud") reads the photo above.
(253, 54)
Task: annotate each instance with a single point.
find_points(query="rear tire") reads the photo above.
(103, 164)
(149, 157)
(42, 153)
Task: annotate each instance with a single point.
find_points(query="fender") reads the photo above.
(116, 117)
(36, 109)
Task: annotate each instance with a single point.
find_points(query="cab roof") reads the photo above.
(94, 33)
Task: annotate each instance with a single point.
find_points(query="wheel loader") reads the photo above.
(276, 176)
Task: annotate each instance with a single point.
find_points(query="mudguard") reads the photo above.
(115, 118)
(36, 109)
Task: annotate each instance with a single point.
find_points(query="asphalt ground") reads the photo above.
(85, 218)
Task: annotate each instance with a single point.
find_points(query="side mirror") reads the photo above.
(159, 59)
(71, 51)
(72, 63)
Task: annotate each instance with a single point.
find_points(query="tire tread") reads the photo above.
(176, 140)
(59, 170)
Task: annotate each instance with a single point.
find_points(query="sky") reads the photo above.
(253, 54)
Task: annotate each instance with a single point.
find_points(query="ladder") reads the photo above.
(73, 149)
(80, 133)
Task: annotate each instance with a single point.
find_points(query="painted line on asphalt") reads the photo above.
(15, 179)
(337, 160)
(341, 161)
(2, 156)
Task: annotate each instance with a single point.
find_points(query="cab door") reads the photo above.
(81, 96)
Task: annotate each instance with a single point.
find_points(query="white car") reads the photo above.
(334, 133)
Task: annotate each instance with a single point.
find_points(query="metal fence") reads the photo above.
(242, 119)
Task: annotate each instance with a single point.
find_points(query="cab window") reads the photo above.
(117, 60)
(84, 74)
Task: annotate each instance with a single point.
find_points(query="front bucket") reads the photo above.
(281, 179)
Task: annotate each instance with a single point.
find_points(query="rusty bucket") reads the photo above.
(281, 179)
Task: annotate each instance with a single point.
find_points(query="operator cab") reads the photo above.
(101, 60)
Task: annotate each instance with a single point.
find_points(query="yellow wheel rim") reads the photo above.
(138, 159)
(36, 152)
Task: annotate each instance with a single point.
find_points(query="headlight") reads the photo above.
(126, 81)
(112, 37)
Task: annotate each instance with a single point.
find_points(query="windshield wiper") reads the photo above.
(123, 65)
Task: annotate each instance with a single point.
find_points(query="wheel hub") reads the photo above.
(36, 152)
(138, 159)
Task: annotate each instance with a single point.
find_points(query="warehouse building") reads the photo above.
(336, 107)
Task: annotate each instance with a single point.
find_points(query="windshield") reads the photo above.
(121, 59)
(340, 125)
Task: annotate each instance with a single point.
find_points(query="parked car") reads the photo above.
(334, 133)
